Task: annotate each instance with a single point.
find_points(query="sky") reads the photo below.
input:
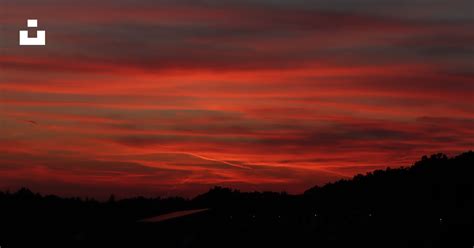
(173, 97)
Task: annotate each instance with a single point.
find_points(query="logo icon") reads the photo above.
(39, 40)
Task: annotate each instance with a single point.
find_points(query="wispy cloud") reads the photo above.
(171, 97)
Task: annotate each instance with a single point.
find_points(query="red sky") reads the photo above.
(173, 97)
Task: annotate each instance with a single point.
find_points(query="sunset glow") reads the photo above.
(174, 97)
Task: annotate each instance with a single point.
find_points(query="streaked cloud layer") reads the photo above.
(171, 97)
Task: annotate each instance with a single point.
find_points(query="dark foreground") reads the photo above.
(430, 204)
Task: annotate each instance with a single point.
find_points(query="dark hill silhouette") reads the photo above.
(430, 204)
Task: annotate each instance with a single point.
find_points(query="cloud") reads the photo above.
(172, 97)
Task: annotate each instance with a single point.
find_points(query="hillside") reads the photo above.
(429, 204)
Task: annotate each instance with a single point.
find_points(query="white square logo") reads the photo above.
(39, 40)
